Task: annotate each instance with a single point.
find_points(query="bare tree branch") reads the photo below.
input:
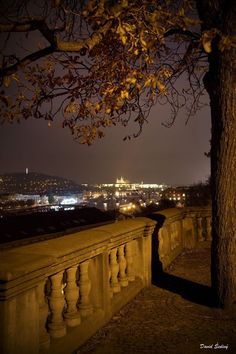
(89, 43)
(24, 26)
(25, 61)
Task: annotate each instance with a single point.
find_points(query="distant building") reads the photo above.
(122, 183)
(176, 194)
(121, 180)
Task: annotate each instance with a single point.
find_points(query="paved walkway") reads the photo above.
(174, 317)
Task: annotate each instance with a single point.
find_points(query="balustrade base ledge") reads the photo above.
(77, 336)
(121, 299)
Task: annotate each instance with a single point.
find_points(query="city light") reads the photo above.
(122, 195)
(69, 201)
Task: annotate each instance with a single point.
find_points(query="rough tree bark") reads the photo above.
(220, 82)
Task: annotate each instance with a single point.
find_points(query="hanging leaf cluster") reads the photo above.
(101, 63)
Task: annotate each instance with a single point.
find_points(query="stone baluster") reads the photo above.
(115, 286)
(44, 338)
(208, 228)
(122, 266)
(56, 325)
(72, 315)
(200, 231)
(109, 280)
(129, 260)
(85, 306)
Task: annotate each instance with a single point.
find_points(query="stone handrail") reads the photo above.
(55, 294)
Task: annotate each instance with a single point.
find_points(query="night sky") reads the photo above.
(174, 156)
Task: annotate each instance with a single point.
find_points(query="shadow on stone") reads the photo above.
(157, 267)
(192, 291)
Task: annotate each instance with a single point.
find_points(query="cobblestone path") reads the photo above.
(173, 317)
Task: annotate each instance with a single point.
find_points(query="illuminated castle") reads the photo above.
(122, 181)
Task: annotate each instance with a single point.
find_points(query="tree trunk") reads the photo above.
(223, 170)
(220, 82)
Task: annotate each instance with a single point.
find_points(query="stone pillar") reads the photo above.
(56, 325)
(109, 280)
(44, 338)
(189, 240)
(208, 229)
(122, 266)
(85, 307)
(147, 253)
(19, 323)
(129, 260)
(200, 231)
(72, 315)
(114, 266)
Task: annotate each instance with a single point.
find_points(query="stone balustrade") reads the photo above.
(55, 294)
(181, 229)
